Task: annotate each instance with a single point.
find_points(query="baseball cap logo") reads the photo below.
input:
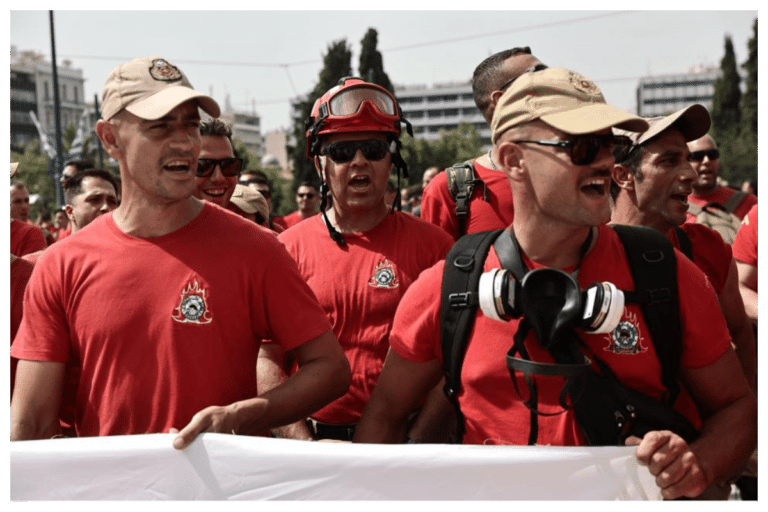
(163, 70)
(585, 85)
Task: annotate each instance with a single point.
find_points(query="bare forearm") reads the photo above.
(378, 427)
(750, 303)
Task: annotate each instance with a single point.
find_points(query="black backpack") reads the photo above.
(653, 265)
(461, 184)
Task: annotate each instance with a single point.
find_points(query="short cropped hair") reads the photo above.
(74, 186)
(488, 76)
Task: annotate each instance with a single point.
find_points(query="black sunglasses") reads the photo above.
(229, 166)
(537, 67)
(345, 150)
(585, 148)
(698, 156)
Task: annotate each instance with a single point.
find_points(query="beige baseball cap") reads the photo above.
(693, 122)
(14, 168)
(250, 200)
(149, 88)
(562, 98)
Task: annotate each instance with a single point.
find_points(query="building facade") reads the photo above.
(442, 107)
(663, 94)
(32, 91)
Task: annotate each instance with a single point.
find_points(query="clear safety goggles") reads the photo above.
(348, 101)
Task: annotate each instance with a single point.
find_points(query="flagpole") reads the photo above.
(58, 167)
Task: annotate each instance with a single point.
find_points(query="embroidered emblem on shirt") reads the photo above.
(193, 307)
(163, 70)
(384, 276)
(625, 338)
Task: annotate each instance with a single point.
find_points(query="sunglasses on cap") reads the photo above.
(698, 156)
(229, 166)
(345, 150)
(537, 67)
(585, 148)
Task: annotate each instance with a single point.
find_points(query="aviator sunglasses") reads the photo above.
(585, 148)
(698, 156)
(345, 150)
(229, 166)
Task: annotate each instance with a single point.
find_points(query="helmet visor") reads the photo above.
(348, 101)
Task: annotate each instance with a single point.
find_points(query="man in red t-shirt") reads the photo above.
(552, 130)
(360, 255)
(307, 200)
(745, 254)
(490, 206)
(705, 159)
(651, 188)
(218, 167)
(158, 303)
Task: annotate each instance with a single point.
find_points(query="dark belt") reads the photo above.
(328, 431)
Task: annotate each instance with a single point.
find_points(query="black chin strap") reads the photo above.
(335, 235)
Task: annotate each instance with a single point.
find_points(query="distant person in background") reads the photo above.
(705, 159)
(307, 200)
(750, 187)
(745, 253)
(25, 236)
(260, 181)
(217, 167)
(413, 195)
(490, 205)
(71, 168)
(429, 174)
(250, 204)
(61, 221)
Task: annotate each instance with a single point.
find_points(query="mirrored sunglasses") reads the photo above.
(345, 150)
(229, 166)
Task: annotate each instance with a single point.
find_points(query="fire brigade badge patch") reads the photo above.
(163, 70)
(193, 307)
(626, 338)
(384, 276)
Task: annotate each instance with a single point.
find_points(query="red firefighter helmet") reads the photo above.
(353, 106)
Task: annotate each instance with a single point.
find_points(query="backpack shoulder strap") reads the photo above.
(685, 242)
(461, 183)
(734, 201)
(458, 305)
(652, 261)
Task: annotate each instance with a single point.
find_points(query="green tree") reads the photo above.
(749, 101)
(337, 64)
(726, 100)
(371, 67)
(457, 145)
(33, 172)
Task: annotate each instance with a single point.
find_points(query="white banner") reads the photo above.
(227, 467)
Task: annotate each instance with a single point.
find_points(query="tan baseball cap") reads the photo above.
(562, 98)
(149, 88)
(693, 122)
(250, 200)
(14, 168)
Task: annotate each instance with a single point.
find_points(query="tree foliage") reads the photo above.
(454, 146)
(371, 68)
(33, 172)
(749, 101)
(337, 64)
(726, 100)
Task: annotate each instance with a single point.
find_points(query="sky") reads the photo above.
(263, 59)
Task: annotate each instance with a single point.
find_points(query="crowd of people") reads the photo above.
(180, 302)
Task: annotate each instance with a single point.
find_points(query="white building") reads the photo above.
(441, 107)
(663, 94)
(32, 90)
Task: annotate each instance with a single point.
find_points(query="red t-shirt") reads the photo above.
(293, 218)
(710, 253)
(493, 411)
(26, 238)
(745, 244)
(164, 327)
(720, 196)
(439, 208)
(359, 287)
(64, 233)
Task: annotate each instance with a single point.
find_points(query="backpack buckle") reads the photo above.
(462, 300)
